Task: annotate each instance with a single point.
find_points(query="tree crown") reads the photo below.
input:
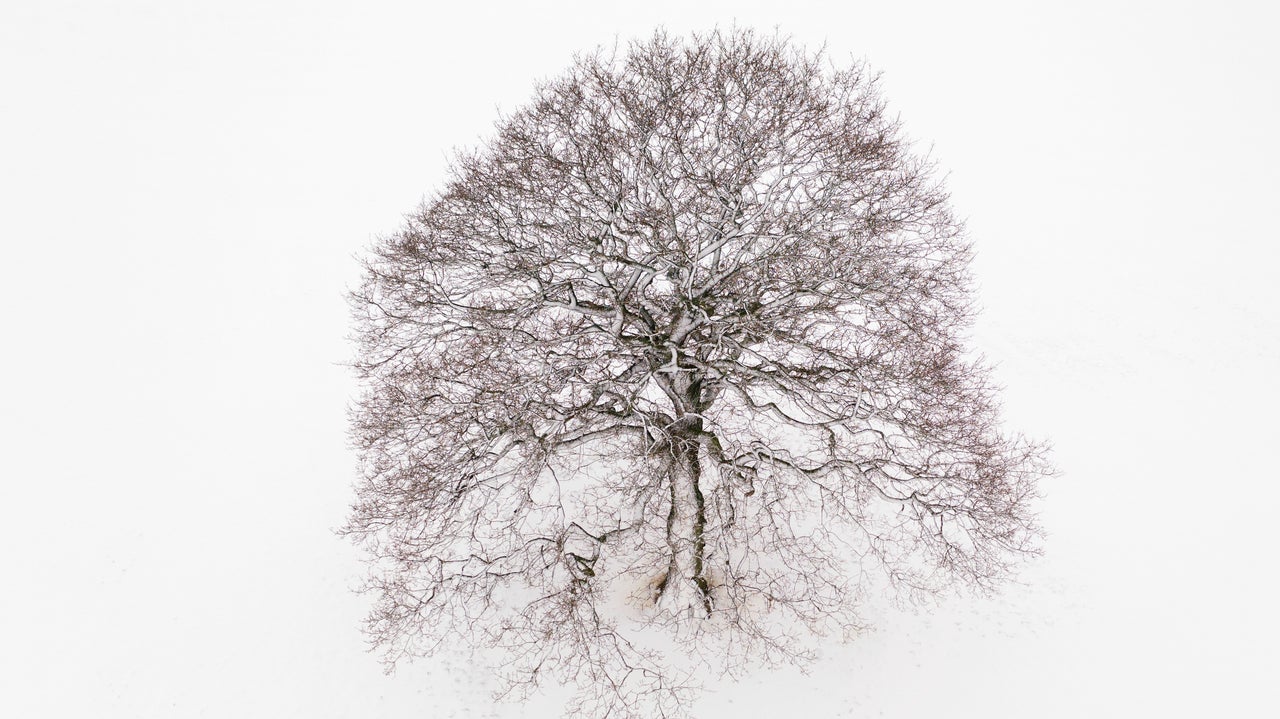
(692, 321)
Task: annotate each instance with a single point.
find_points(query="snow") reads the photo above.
(185, 188)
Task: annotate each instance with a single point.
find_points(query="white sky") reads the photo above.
(183, 187)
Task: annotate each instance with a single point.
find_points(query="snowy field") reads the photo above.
(185, 186)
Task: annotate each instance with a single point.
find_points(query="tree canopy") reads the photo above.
(681, 345)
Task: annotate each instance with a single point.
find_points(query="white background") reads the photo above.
(183, 187)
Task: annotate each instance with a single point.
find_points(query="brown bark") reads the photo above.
(686, 584)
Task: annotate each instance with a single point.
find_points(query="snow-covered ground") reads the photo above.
(184, 186)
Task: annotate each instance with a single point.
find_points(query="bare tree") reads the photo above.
(680, 347)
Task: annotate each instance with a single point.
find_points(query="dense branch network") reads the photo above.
(687, 331)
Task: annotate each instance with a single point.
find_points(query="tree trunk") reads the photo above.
(685, 588)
